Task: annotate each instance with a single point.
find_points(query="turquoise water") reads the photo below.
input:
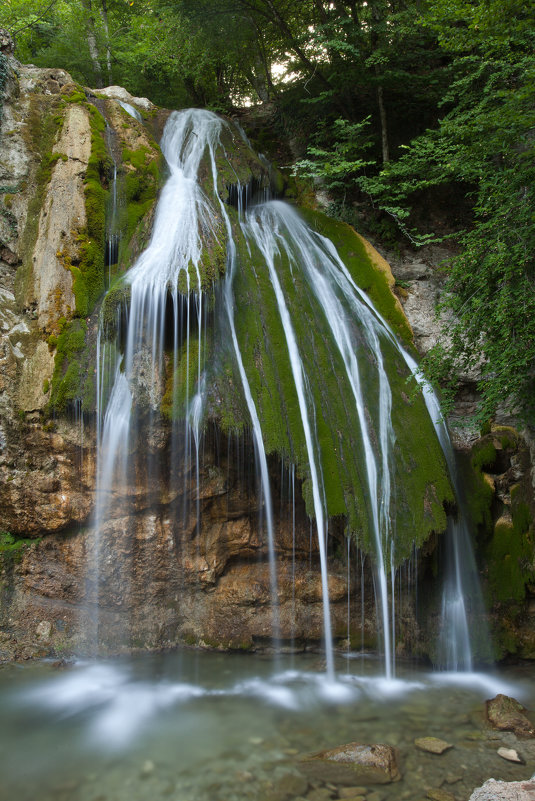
(198, 726)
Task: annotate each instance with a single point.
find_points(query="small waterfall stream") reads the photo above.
(272, 231)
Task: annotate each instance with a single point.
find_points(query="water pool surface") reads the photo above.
(199, 726)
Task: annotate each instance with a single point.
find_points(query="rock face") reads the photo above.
(165, 581)
(62, 216)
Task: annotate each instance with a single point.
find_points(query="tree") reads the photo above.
(485, 142)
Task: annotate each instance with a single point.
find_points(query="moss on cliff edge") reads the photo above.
(420, 483)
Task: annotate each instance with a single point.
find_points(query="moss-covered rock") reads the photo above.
(420, 484)
(114, 307)
(71, 364)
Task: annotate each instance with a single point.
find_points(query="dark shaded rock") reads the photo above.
(507, 714)
(355, 762)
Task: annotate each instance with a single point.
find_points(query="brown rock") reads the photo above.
(371, 764)
(507, 714)
(433, 745)
(435, 794)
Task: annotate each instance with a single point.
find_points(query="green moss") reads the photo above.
(141, 182)
(509, 554)
(484, 454)
(420, 484)
(478, 486)
(115, 302)
(367, 275)
(182, 382)
(508, 557)
(12, 548)
(76, 96)
(69, 365)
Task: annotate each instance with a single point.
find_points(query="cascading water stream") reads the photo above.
(184, 213)
(455, 648)
(275, 227)
(129, 108)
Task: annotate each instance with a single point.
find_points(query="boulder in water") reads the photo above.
(369, 764)
(507, 714)
(494, 790)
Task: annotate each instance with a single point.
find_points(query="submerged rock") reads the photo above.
(371, 764)
(494, 790)
(507, 714)
(436, 794)
(433, 745)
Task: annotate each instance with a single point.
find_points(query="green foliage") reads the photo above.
(343, 162)
(484, 142)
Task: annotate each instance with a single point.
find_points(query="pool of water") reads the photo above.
(198, 726)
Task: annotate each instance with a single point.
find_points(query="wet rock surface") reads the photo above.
(346, 764)
(433, 745)
(507, 714)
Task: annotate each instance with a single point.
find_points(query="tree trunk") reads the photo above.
(92, 43)
(384, 129)
(104, 15)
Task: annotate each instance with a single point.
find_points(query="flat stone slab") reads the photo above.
(354, 762)
(507, 714)
(504, 791)
(433, 745)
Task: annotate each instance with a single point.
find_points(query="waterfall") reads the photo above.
(129, 108)
(113, 234)
(175, 248)
(184, 215)
(168, 307)
(460, 575)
